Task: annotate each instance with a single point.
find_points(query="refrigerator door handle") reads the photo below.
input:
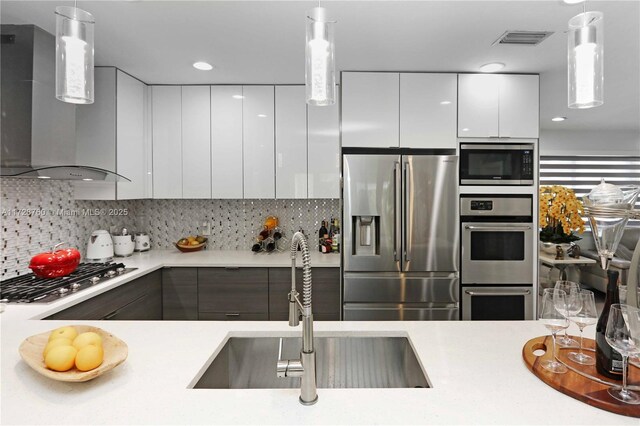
(407, 193)
(397, 223)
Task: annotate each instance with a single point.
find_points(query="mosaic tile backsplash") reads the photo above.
(37, 214)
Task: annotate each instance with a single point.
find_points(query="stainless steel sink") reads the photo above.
(342, 362)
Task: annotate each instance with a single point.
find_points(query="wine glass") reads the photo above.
(571, 289)
(623, 334)
(553, 314)
(585, 317)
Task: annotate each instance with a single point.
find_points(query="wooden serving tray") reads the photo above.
(574, 384)
(115, 353)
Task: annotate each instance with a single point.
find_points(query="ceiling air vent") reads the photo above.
(524, 38)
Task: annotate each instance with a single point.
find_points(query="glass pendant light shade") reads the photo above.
(320, 70)
(74, 55)
(586, 62)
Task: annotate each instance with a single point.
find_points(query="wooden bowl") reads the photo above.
(115, 353)
(189, 249)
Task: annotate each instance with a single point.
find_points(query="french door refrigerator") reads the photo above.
(400, 237)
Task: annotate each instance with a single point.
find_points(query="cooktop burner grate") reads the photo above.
(29, 288)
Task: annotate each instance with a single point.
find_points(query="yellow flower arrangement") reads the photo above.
(560, 214)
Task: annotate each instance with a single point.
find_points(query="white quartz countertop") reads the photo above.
(476, 370)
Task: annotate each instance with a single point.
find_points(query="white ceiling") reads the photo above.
(263, 42)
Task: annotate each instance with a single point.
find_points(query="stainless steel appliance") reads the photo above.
(496, 164)
(31, 289)
(400, 237)
(497, 257)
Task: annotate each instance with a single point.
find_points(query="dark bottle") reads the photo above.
(608, 360)
(321, 235)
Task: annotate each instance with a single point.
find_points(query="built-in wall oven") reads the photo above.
(497, 247)
(496, 164)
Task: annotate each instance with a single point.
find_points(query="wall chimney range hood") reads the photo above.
(37, 131)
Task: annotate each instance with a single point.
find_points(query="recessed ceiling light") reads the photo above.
(465, 130)
(445, 103)
(573, 1)
(558, 118)
(238, 97)
(203, 66)
(492, 67)
(87, 179)
(262, 115)
(44, 177)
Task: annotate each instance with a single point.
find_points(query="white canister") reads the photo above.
(123, 245)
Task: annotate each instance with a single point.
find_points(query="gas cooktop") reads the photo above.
(32, 289)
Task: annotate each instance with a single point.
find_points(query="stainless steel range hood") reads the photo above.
(37, 131)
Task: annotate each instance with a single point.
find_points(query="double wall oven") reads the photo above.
(497, 235)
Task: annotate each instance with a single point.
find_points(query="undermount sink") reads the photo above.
(341, 362)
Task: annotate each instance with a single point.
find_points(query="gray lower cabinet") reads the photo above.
(325, 297)
(233, 293)
(140, 299)
(180, 293)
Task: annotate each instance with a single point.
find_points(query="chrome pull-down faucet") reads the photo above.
(305, 367)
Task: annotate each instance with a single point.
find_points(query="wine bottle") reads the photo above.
(608, 360)
(321, 235)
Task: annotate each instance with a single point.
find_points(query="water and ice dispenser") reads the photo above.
(366, 238)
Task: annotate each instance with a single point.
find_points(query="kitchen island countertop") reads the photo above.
(476, 370)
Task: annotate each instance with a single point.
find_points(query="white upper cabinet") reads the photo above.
(196, 142)
(226, 142)
(113, 134)
(478, 105)
(258, 139)
(498, 105)
(133, 145)
(519, 106)
(428, 110)
(291, 142)
(323, 151)
(370, 109)
(167, 141)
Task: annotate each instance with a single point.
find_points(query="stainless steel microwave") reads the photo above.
(496, 164)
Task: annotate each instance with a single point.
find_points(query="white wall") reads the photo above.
(580, 142)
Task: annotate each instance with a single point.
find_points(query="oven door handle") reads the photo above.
(499, 228)
(497, 293)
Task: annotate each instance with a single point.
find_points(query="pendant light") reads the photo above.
(586, 62)
(320, 71)
(74, 55)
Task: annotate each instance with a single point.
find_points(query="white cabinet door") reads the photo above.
(226, 142)
(196, 142)
(167, 141)
(428, 110)
(258, 158)
(519, 106)
(131, 149)
(478, 105)
(323, 151)
(291, 142)
(370, 109)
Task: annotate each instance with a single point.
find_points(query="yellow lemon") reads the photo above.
(89, 357)
(57, 342)
(61, 358)
(67, 332)
(87, 338)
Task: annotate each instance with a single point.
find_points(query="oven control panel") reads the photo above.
(482, 205)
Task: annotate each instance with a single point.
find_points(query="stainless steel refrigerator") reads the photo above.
(400, 237)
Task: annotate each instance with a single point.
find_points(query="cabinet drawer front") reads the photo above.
(234, 316)
(233, 290)
(326, 289)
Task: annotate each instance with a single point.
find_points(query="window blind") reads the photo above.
(581, 172)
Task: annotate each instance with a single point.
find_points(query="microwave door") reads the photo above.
(430, 213)
(371, 213)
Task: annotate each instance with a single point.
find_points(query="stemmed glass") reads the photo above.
(623, 334)
(571, 289)
(586, 316)
(553, 314)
